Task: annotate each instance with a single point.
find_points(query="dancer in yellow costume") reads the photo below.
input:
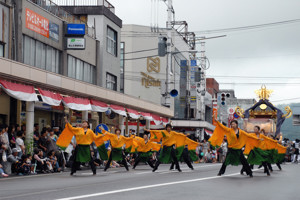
(145, 150)
(173, 145)
(236, 139)
(117, 141)
(84, 138)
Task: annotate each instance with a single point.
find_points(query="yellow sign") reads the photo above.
(148, 81)
(153, 64)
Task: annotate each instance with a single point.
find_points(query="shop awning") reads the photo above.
(79, 104)
(98, 106)
(53, 99)
(147, 116)
(19, 91)
(156, 119)
(118, 109)
(133, 113)
(165, 121)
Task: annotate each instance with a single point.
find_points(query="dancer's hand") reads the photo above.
(66, 119)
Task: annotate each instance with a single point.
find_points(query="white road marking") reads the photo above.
(144, 187)
(170, 171)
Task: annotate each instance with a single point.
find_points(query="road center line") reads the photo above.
(144, 187)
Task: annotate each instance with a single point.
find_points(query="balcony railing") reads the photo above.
(58, 11)
(104, 3)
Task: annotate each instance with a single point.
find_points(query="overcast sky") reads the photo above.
(272, 51)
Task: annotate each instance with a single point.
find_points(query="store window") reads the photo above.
(122, 64)
(1, 49)
(111, 41)
(111, 82)
(38, 54)
(81, 70)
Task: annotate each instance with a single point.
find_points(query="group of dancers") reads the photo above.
(174, 147)
(259, 148)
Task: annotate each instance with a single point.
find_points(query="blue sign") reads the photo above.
(75, 29)
(99, 130)
(193, 63)
(183, 63)
(54, 31)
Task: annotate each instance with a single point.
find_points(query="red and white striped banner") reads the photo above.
(156, 119)
(118, 109)
(147, 116)
(19, 91)
(165, 121)
(133, 113)
(98, 106)
(79, 104)
(53, 99)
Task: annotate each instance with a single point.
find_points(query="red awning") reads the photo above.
(79, 104)
(156, 119)
(165, 120)
(53, 99)
(19, 91)
(98, 106)
(133, 113)
(208, 131)
(147, 116)
(118, 109)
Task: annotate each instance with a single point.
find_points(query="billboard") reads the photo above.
(37, 23)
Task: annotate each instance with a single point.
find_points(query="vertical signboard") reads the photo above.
(37, 23)
(54, 31)
(215, 112)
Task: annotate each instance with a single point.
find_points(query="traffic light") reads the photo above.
(223, 98)
(162, 46)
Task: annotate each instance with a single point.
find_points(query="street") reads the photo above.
(142, 183)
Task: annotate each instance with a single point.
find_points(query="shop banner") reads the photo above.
(147, 116)
(50, 98)
(133, 113)
(118, 109)
(19, 91)
(37, 23)
(98, 106)
(78, 104)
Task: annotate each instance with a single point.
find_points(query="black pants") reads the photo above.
(139, 158)
(110, 158)
(186, 159)
(174, 160)
(242, 160)
(264, 164)
(76, 164)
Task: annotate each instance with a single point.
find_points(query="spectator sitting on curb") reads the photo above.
(2, 174)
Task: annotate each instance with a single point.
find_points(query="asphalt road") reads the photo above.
(142, 183)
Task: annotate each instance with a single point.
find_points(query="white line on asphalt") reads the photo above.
(168, 171)
(144, 187)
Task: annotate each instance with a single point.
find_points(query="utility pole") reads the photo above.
(169, 53)
(203, 81)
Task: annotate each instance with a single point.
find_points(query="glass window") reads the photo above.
(71, 66)
(111, 82)
(111, 41)
(38, 54)
(81, 70)
(1, 50)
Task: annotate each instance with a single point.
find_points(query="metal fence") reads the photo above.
(58, 11)
(104, 3)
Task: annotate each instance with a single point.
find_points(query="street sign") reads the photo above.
(193, 63)
(183, 63)
(75, 29)
(75, 43)
(230, 110)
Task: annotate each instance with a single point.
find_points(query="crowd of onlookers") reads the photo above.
(46, 155)
(48, 158)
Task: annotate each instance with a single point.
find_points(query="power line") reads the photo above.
(141, 51)
(242, 28)
(140, 57)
